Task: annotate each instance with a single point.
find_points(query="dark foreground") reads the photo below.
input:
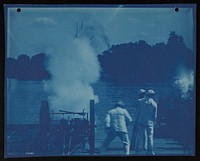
(22, 141)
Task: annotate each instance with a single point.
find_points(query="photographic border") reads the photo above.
(62, 2)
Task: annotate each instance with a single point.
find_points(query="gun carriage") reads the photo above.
(71, 132)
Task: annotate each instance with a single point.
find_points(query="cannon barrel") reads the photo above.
(68, 112)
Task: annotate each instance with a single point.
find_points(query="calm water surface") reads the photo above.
(24, 99)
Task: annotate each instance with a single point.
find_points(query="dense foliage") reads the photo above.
(126, 63)
(25, 68)
(140, 62)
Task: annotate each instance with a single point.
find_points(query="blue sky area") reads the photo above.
(36, 29)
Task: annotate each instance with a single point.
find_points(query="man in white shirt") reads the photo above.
(116, 126)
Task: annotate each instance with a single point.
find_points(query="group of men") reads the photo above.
(143, 129)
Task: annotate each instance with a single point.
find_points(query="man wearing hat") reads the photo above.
(147, 113)
(116, 126)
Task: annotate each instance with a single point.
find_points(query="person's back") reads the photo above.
(116, 126)
(118, 118)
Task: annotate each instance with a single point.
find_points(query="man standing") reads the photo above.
(145, 120)
(141, 94)
(116, 126)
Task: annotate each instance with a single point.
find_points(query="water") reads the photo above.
(24, 99)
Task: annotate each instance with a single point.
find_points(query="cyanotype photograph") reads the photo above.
(100, 80)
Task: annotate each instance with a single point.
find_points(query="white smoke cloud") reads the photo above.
(185, 82)
(74, 67)
(95, 32)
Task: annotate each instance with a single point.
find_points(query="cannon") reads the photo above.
(71, 132)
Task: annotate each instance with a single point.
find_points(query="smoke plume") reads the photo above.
(74, 67)
(185, 82)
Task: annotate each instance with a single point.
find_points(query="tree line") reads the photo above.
(140, 62)
(26, 68)
(126, 63)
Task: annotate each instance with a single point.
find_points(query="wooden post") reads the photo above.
(92, 128)
(44, 127)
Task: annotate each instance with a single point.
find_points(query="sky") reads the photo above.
(36, 29)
